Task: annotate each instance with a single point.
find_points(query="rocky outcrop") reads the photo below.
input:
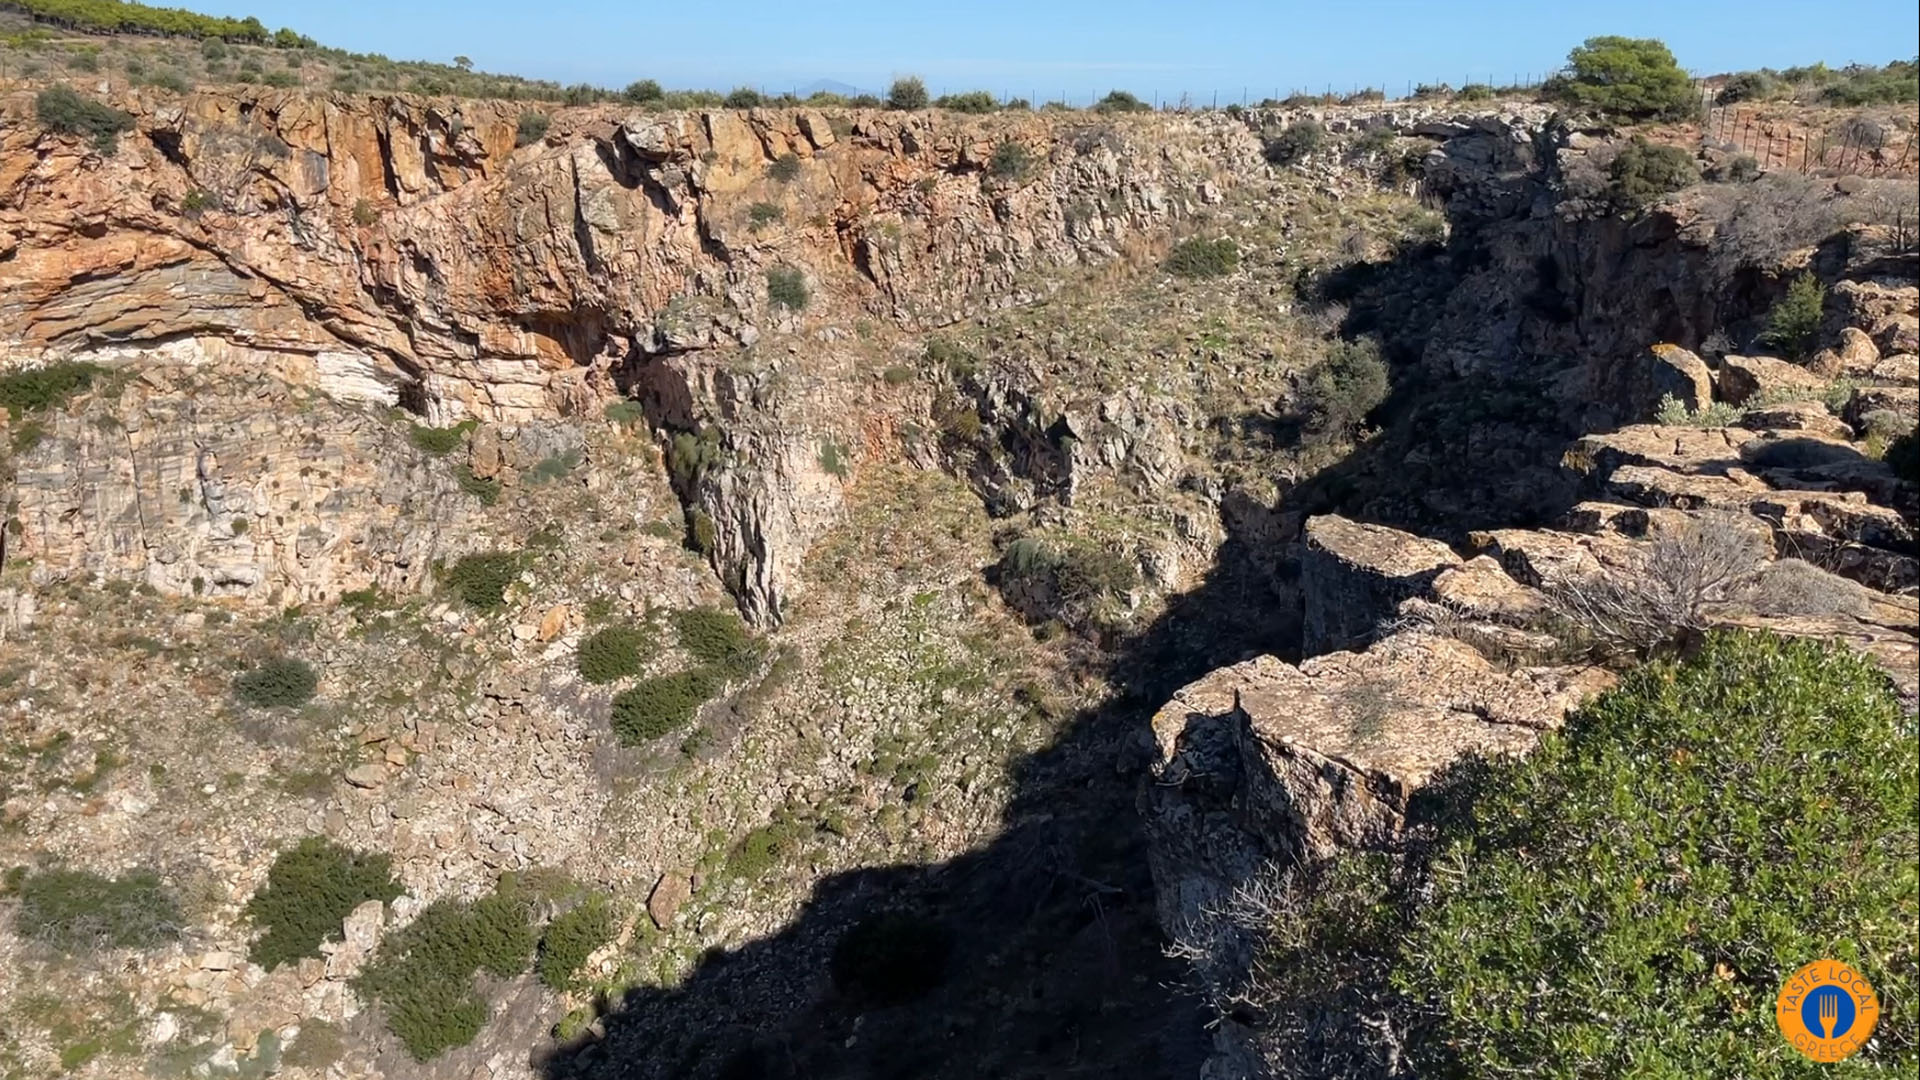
(1353, 577)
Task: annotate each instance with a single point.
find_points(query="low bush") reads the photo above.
(973, 101)
(613, 653)
(1903, 456)
(1746, 86)
(423, 974)
(787, 288)
(531, 128)
(1692, 839)
(716, 638)
(310, 890)
(762, 214)
(1122, 102)
(785, 168)
(745, 97)
(1669, 591)
(278, 682)
(42, 388)
(61, 109)
(1198, 257)
(481, 580)
(1296, 142)
(1793, 323)
(642, 92)
(1011, 161)
(572, 937)
(1343, 388)
(1642, 172)
(658, 706)
(74, 911)
(907, 94)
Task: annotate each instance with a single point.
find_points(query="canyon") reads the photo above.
(1065, 623)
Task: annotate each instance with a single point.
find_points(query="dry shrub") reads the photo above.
(1668, 592)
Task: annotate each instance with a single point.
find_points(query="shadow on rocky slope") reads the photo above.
(1035, 956)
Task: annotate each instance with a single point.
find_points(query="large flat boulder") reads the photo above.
(1353, 577)
(1744, 378)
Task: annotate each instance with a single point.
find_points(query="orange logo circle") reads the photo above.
(1827, 1010)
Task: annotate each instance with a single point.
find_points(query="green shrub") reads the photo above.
(716, 638)
(612, 654)
(1746, 86)
(626, 413)
(1298, 141)
(481, 580)
(423, 973)
(762, 214)
(744, 97)
(1897, 83)
(1714, 414)
(973, 101)
(1342, 389)
(1630, 77)
(74, 911)
(660, 705)
(787, 288)
(278, 682)
(691, 455)
(897, 375)
(907, 94)
(42, 388)
(700, 532)
(441, 441)
(174, 82)
(553, 467)
(891, 958)
(318, 1047)
(833, 459)
(1475, 92)
(364, 214)
(1643, 171)
(310, 890)
(1689, 841)
(785, 168)
(59, 108)
(1793, 323)
(642, 92)
(531, 128)
(484, 488)
(572, 937)
(1011, 160)
(1197, 257)
(1121, 101)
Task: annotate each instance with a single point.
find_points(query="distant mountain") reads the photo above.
(829, 86)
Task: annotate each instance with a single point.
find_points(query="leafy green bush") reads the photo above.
(61, 109)
(785, 168)
(423, 973)
(1793, 323)
(277, 682)
(1198, 257)
(1342, 389)
(1894, 84)
(42, 388)
(440, 441)
(482, 579)
(1475, 92)
(1691, 839)
(310, 890)
(75, 911)
(612, 654)
(642, 92)
(1746, 86)
(572, 937)
(745, 97)
(716, 638)
(692, 454)
(1643, 171)
(762, 214)
(1011, 160)
(907, 94)
(1631, 77)
(660, 705)
(833, 459)
(787, 288)
(531, 128)
(1296, 142)
(973, 101)
(1121, 101)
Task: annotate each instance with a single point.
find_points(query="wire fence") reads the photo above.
(1857, 148)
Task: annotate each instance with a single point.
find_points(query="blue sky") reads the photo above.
(1079, 47)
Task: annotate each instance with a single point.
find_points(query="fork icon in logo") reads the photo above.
(1829, 1014)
